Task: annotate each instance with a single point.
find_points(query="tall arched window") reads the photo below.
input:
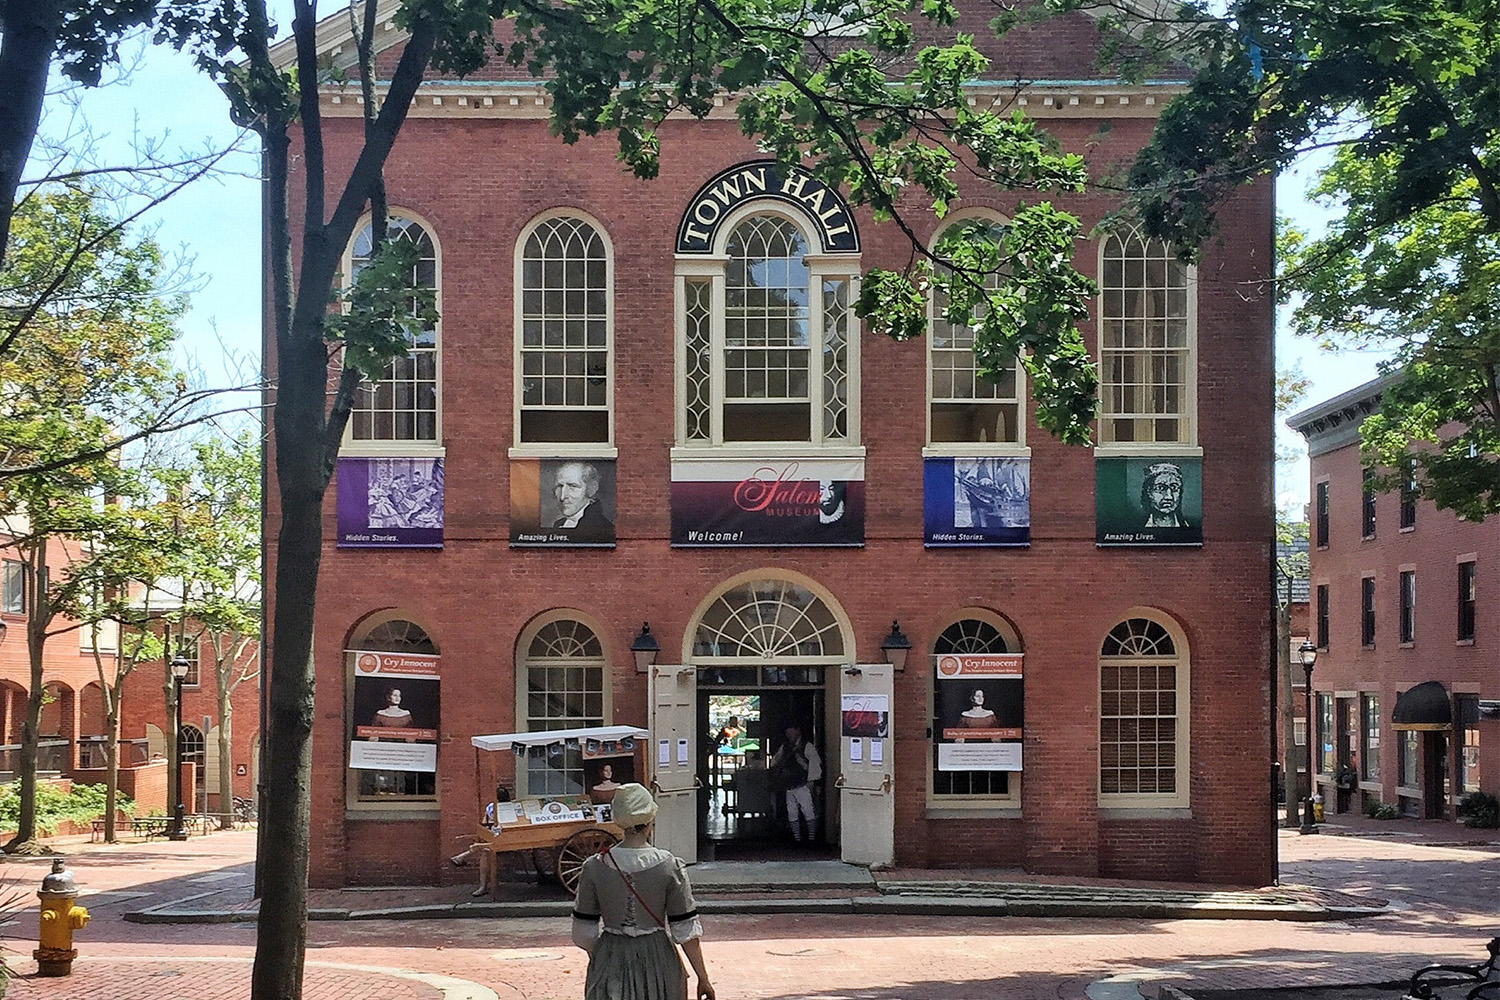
(1147, 377)
(978, 633)
(768, 351)
(965, 407)
(403, 405)
(563, 337)
(391, 635)
(769, 620)
(1143, 699)
(564, 681)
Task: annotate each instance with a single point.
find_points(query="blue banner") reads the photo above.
(976, 502)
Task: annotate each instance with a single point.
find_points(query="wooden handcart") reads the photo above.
(558, 848)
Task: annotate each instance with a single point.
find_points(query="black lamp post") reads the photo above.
(896, 647)
(644, 649)
(180, 666)
(1309, 654)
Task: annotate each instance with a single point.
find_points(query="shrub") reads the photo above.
(82, 804)
(1384, 810)
(1479, 810)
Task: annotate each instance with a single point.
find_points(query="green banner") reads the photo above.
(1148, 501)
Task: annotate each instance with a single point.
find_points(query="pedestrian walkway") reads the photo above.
(229, 979)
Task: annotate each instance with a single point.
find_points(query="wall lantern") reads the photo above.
(896, 647)
(644, 649)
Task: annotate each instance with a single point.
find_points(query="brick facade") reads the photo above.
(1348, 669)
(475, 175)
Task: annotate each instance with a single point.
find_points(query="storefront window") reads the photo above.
(564, 673)
(1408, 755)
(1369, 760)
(1468, 757)
(1325, 734)
(968, 637)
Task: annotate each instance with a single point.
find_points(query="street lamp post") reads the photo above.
(180, 665)
(1309, 654)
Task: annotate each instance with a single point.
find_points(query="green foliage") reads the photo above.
(82, 804)
(1407, 93)
(1479, 811)
(1383, 810)
(384, 309)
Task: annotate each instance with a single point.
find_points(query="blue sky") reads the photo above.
(216, 221)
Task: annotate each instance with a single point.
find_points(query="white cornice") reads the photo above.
(335, 38)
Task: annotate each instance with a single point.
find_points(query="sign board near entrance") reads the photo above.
(737, 503)
(395, 706)
(980, 707)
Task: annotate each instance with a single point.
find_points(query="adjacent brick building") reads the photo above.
(650, 402)
(1407, 679)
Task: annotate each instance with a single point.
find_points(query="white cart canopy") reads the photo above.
(504, 741)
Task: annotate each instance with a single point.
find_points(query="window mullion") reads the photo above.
(716, 337)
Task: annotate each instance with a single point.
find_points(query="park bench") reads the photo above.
(1482, 978)
(122, 825)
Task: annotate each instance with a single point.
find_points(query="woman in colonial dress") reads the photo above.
(635, 905)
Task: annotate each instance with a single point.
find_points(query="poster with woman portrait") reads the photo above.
(980, 710)
(395, 708)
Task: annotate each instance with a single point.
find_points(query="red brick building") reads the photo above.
(1407, 680)
(652, 403)
(73, 727)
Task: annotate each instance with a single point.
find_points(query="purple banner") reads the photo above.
(390, 503)
(775, 502)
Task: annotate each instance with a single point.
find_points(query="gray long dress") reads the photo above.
(635, 958)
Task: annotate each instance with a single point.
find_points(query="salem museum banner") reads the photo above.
(773, 502)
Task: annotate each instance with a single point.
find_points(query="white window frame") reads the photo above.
(522, 679)
(1189, 446)
(1182, 659)
(821, 266)
(563, 449)
(944, 449)
(1009, 803)
(352, 447)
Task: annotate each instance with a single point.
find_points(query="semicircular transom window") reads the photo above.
(768, 619)
(1138, 637)
(564, 639)
(971, 635)
(398, 636)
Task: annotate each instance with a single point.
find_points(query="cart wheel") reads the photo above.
(576, 850)
(544, 860)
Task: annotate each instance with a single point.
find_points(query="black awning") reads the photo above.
(1425, 706)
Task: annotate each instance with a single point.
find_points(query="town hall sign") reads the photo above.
(766, 179)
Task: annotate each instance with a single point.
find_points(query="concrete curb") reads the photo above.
(902, 905)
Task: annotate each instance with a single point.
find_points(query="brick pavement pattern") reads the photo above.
(177, 979)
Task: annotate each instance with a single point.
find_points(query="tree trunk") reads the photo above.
(24, 841)
(226, 765)
(1290, 783)
(26, 48)
(111, 764)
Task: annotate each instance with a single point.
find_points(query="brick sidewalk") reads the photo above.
(187, 979)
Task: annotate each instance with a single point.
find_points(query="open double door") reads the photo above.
(865, 780)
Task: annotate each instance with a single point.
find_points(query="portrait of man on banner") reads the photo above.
(562, 502)
(1148, 501)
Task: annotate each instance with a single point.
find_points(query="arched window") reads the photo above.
(1143, 698)
(418, 709)
(768, 620)
(978, 633)
(965, 407)
(768, 352)
(564, 682)
(402, 406)
(1147, 378)
(563, 336)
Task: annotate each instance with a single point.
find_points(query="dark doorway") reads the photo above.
(1434, 775)
(742, 814)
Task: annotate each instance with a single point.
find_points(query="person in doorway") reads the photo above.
(799, 770)
(729, 732)
(634, 905)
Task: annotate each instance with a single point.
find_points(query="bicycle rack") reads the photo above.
(1486, 974)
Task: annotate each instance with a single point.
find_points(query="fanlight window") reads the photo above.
(565, 639)
(1138, 637)
(970, 636)
(398, 636)
(768, 620)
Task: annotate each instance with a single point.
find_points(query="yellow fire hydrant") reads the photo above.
(60, 918)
